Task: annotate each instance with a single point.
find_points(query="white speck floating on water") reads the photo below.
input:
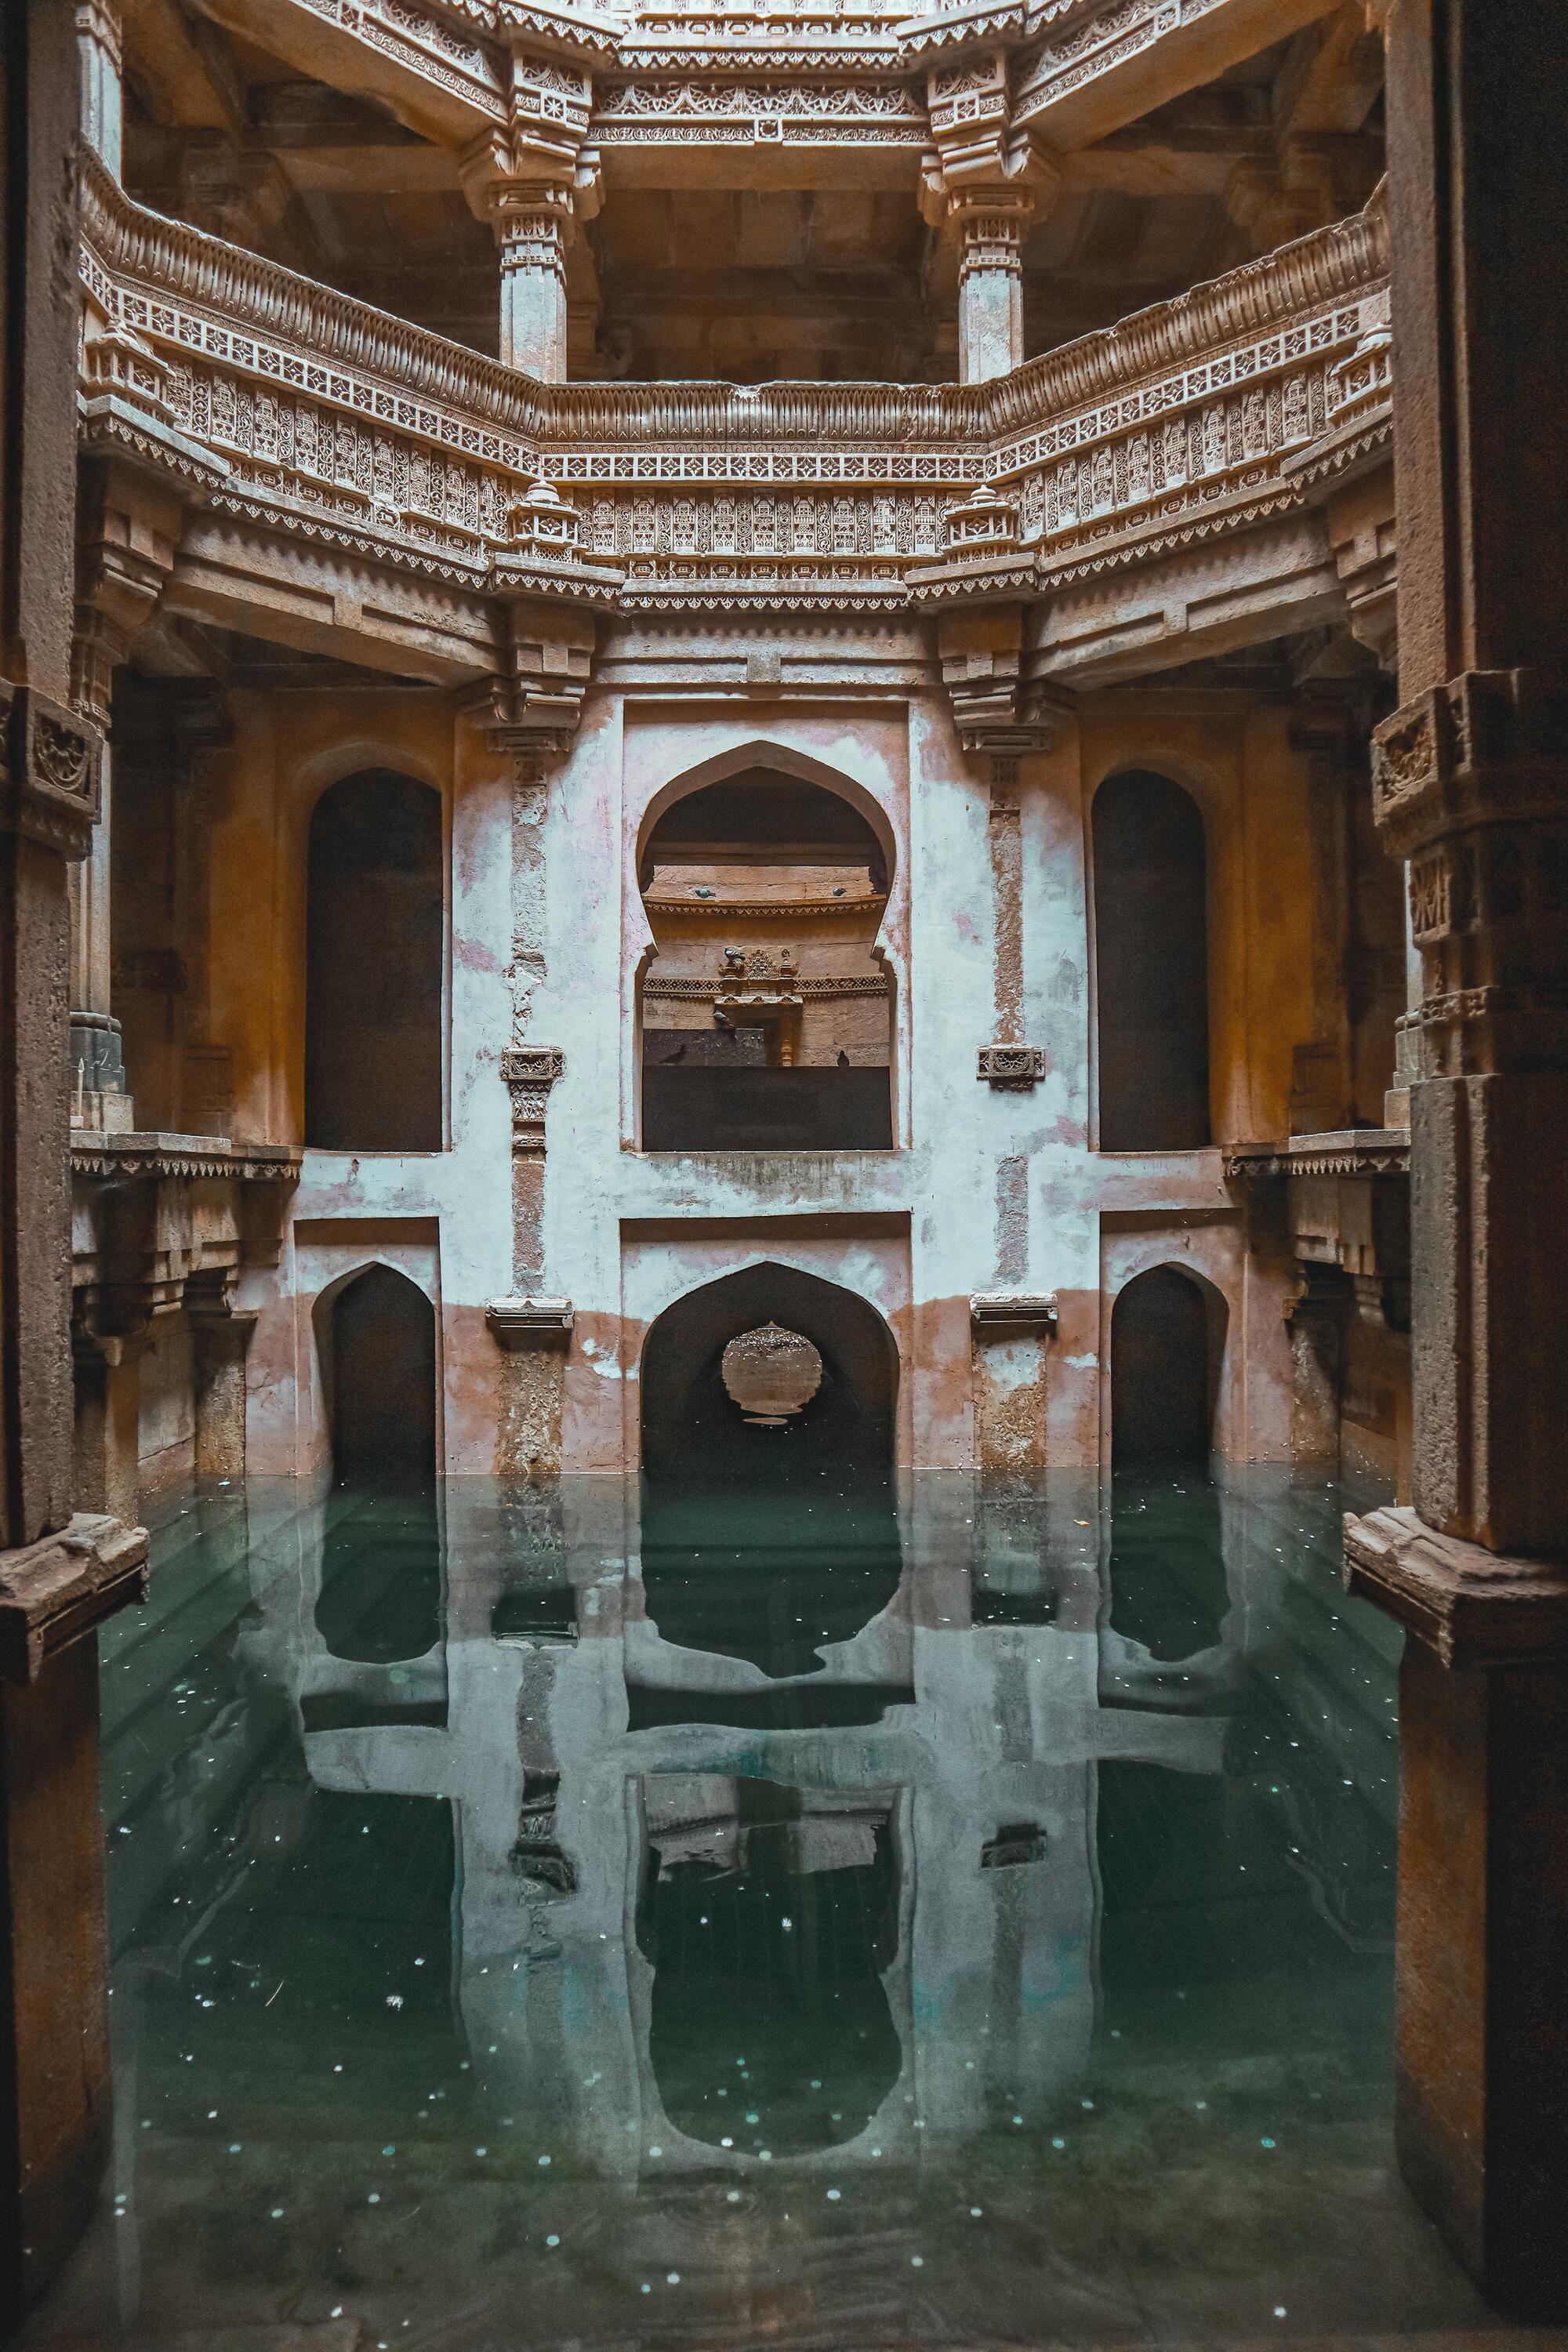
(834, 2195)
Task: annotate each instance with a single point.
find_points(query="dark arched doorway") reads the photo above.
(379, 1360)
(1167, 1338)
(766, 1016)
(695, 1432)
(1150, 940)
(769, 1528)
(374, 931)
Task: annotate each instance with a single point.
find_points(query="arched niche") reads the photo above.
(694, 1435)
(1167, 1345)
(374, 928)
(375, 1335)
(765, 1013)
(1150, 941)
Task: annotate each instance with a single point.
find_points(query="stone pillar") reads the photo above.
(1317, 1364)
(98, 38)
(1470, 785)
(990, 225)
(222, 1341)
(60, 1575)
(532, 219)
(107, 1442)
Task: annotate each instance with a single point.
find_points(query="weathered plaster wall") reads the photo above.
(987, 1189)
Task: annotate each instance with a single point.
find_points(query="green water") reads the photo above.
(914, 1918)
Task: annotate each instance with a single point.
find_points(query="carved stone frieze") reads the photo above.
(517, 1323)
(1012, 1310)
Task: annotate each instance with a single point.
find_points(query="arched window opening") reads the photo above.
(766, 1017)
(373, 967)
(781, 1906)
(1167, 1340)
(1150, 936)
(379, 1364)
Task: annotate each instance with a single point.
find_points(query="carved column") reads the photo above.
(990, 225)
(60, 1575)
(533, 181)
(533, 1330)
(98, 36)
(1470, 785)
(531, 222)
(221, 1336)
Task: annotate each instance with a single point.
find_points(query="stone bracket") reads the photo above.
(1474, 1608)
(50, 771)
(62, 1588)
(1012, 1310)
(518, 1323)
(1013, 1069)
(531, 1071)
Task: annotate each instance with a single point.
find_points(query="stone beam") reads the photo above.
(351, 608)
(444, 84)
(1108, 68)
(1216, 598)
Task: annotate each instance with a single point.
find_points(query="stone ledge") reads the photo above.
(1346, 1152)
(518, 1323)
(56, 1590)
(1012, 1310)
(144, 1153)
(1474, 1608)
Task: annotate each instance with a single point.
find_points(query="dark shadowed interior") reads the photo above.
(1151, 944)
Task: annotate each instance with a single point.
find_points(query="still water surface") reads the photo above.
(855, 1920)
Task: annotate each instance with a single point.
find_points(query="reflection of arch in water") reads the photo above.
(1151, 955)
(375, 1339)
(1167, 1346)
(771, 1914)
(374, 966)
(693, 1433)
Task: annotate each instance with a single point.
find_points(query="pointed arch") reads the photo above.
(375, 1338)
(1168, 1330)
(692, 1428)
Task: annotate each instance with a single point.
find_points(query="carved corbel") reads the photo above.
(533, 706)
(530, 1072)
(996, 710)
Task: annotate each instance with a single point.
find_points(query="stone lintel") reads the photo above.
(1472, 1607)
(516, 1323)
(55, 1592)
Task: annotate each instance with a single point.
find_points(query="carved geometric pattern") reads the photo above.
(1014, 1068)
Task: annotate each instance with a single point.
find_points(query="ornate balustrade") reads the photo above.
(323, 419)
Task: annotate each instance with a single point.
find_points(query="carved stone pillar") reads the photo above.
(98, 36)
(990, 225)
(531, 222)
(533, 181)
(1470, 786)
(60, 1575)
